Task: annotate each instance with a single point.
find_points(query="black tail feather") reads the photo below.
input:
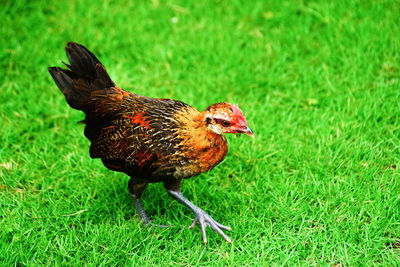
(65, 82)
(85, 74)
(82, 61)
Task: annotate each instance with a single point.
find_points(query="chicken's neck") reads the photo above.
(203, 148)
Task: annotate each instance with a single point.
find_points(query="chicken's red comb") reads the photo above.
(240, 119)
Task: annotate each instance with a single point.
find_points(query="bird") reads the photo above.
(149, 139)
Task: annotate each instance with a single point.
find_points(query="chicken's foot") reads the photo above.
(202, 217)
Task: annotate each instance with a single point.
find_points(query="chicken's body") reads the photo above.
(151, 140)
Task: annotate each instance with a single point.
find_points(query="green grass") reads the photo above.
(318, 81)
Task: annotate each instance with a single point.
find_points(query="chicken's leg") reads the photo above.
(202, 217)
(136, 188)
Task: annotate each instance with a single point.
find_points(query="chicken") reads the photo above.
(149, 139)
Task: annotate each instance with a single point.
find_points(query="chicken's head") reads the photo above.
(224, 118)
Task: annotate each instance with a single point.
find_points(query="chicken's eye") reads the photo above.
(224, 123)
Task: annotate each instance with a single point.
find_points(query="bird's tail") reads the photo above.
(85, 75)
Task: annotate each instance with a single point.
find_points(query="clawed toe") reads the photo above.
(201, 216)
(154, 225)
(206, 220)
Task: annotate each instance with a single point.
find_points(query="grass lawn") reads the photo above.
(317, 80)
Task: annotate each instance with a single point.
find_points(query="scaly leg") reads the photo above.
(202, 217)
(136, 188)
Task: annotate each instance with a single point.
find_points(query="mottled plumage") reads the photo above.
(149, 139)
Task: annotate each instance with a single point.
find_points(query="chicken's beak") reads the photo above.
(248, 132)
